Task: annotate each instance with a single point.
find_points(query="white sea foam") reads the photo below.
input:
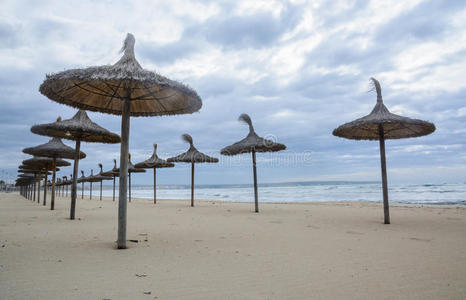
(451, 193)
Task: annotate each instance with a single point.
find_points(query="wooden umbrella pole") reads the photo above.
(384, 175)
(82, 190)
(256, 200)
(125, 118)
(90, 192)
(34, 189)
(75, 178)
(45, 188)
(38, 188)
(129, 175)
(52, 201)
(192, 184)
(114, 188)
(101, 190)
(155, 186)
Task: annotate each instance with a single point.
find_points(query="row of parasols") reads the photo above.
(49, 156)
(126, 89)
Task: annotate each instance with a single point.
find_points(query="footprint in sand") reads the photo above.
(419, 239)
(354, 232)
(313, 227)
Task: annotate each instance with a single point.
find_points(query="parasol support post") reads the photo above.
(384, 175)
(192, 184)
(155, 185)
(38, 188)
(34, 189)
(75, 178)
(54, 166)
(129, 178)
(256, 200)
(113, 188)
(125, 118)
(101, 190)
(45, 188)
(82, 190)
(90, 191)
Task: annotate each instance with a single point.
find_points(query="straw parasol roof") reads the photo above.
(101, 174)
(394, 126)
(125, 89)
(45, 162)
(131, 167)
(96, 178)
(102, 88)
(192, 155)
(380, 125)
(252, 142)
(113, 172)
(34, 171)
(79, 127)
(53, 148)
(154, 162)
(83, 178)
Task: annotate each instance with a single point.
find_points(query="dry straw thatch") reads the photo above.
(380, 125)
(78, 128)
(104, 88)
(54, 149)
(192, 156)
(45, 162)
(394, 126)
(154, 162)
(252, 143)
(125, 89)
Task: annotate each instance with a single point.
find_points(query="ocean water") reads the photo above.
(447, 193)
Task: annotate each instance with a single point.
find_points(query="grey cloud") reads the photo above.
(255, 31)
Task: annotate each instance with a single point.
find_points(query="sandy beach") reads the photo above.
(222, 250)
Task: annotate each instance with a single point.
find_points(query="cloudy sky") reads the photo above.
(298, 68)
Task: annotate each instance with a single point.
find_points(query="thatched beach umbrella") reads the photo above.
(92, 178)
(32, 177)
(80, 129)
(82, 180)
(380, 125)
(114, 173)
(131, 169)
(125, 89)
(252, 143)
(54, 149)
(102, 178)
(154, 162)
(46, 163)
(192, 156)
(38, 171)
